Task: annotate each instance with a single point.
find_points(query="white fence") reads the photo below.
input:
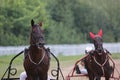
(62, 49)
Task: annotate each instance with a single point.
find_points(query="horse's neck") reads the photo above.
(100, 58)
(34, 49)
(36, 53)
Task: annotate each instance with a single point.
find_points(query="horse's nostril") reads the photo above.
(40, 44)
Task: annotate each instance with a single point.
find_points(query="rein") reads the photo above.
(39, 61)
(101, 65)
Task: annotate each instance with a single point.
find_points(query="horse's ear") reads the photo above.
(32, 22)
(92, 35)
(40, 24)
(100, 33)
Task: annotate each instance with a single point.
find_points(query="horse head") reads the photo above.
(98, 43)
(37, 37)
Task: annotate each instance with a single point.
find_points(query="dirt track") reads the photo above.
(68, 68)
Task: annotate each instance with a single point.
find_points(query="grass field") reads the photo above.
(65, 62)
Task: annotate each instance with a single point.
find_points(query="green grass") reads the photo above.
(116, 56)
(5, 60)
(65, 61)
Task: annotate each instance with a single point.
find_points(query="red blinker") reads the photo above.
(92, 35)
(100, 33)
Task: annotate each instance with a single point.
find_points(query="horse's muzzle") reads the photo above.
(100, 51)
(40, 44)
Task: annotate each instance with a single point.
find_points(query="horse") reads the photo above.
(97, 62)
(37, 60)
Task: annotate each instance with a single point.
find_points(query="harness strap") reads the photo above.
(101, 65)
(39, 61)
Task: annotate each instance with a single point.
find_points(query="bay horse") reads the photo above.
(37, 60)
(97, 63)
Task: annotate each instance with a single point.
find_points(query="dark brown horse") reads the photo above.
(37, 58)
(97, 63)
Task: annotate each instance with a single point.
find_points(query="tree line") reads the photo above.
(64, 21)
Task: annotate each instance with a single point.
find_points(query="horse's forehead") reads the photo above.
(97, 37)
(36, 28)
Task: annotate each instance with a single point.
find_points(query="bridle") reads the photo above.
(35, 43)
(38, 43)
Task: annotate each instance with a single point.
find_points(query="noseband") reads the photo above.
(39, 45)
